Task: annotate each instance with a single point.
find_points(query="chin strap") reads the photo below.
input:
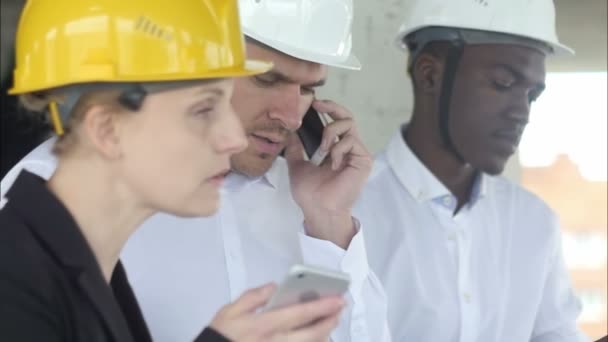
(452, 61)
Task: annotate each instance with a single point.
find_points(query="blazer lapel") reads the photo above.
(100, 295)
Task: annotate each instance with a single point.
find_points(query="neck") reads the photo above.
(423, 138)
(104, 210)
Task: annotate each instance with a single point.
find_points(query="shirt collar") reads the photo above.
(273, 175)
(480, 188)
(416, 177)
(411, 173)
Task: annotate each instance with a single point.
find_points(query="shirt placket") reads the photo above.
(468, 299)
(459, 247)
(233, 253)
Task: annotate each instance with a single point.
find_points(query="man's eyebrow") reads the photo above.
(280, 77)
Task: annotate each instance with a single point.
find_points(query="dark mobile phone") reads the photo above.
(311, 133)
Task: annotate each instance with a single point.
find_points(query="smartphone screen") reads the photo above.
(311, 134)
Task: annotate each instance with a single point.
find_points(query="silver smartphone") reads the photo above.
(305, 283)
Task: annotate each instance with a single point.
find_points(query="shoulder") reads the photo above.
(381, 167)
(381, 180)
(39, 161)
(529, 212)
(520, 197)
(25, 266)
(31, 291)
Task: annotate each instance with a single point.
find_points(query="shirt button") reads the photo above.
(448, 201)
(420, 195)
(467, 297)
(358, 330)
(452, 237)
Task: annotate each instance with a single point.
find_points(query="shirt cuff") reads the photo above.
(327, 254)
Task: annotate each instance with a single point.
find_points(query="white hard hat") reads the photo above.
(313, 30)
(532, 19)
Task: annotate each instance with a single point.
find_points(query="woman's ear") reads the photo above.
(100, 127)
(427, 72)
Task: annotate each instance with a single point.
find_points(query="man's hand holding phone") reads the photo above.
(327, 193)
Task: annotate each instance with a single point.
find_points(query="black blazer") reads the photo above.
(51, 286)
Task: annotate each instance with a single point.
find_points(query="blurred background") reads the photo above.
(562, 157)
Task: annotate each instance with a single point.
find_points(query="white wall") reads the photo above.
(379, 95)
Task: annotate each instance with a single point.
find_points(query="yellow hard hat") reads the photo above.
(65, 42)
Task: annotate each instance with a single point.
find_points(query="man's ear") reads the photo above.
(428, 71)
(100, 126)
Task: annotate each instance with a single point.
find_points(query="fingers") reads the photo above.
(343, 122)
(334, 110)
(344, 128)
(319, 331)
(340, 150)
(352, 150)
(299, 315)
(250, 300)
(335, 130)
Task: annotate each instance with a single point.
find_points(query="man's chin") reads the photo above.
(251, 165)
(495, 168)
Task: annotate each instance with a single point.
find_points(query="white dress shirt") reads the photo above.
(491, 273)
(184, 270)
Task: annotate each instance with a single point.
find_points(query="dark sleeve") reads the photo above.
(210, 335)
(25, 314)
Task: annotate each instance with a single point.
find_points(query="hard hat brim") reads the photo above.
(559, 50)
(350, 63)
(249, 68)
(253, 67)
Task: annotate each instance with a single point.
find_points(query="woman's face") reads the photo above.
(176, 150)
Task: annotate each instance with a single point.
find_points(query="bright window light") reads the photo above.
(569, 119)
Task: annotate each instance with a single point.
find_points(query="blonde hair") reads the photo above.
(41, 102)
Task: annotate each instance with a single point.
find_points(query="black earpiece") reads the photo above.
(133, 98)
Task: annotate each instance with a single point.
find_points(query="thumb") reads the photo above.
(294, 151)
(252, 299)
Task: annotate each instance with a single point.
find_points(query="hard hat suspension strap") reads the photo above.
(452, 61)
(132, 98)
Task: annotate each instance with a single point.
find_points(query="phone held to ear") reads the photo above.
(305, 283)
(311, 135)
